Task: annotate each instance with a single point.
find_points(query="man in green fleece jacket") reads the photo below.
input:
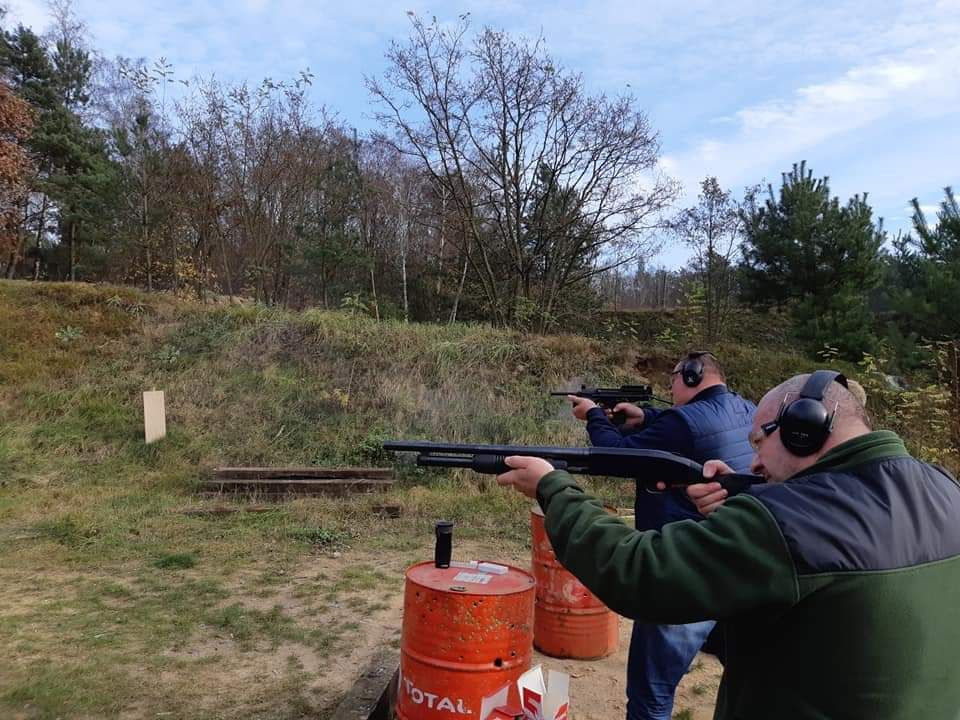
(838, 580)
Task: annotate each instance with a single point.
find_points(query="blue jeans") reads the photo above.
(659, 656)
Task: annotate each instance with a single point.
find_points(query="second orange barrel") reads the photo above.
(466, 634)
(568, 620)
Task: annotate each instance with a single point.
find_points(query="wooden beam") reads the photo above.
(373, 695)
(277, 473)
(297, 486)
(227, 510)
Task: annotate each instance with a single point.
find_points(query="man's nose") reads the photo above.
(756, 467)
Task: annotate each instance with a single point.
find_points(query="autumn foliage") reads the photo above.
(16, 121)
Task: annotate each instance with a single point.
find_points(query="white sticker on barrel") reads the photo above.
(469, 577)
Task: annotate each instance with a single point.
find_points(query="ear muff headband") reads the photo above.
(805, 423)
(816, 385)
(692, 369)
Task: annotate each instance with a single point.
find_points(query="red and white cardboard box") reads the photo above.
(539, 700)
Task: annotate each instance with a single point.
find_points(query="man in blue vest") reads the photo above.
(707, 421)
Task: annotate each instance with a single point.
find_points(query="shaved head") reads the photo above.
(850, 411)
(856, 389)
(772, 459)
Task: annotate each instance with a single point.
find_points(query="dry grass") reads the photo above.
(113, 603)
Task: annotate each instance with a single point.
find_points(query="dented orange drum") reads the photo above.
(465, 635)
(569, 621)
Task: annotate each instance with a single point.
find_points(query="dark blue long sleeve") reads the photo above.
(666, 431)
(650, 414)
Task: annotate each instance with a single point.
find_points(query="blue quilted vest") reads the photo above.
(719, 424)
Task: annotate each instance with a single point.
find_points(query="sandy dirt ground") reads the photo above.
(216, 676)
(597, 687)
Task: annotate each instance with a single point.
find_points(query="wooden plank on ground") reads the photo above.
(277, 473)
(296, 486)
(226, 510)
(373, 695)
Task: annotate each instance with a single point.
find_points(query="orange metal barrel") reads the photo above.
(569, 621)
(465, 635)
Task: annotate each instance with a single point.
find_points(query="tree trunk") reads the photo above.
(404, 237)
(40, 227)
(373, 290)
(173, 267)
(323, 281)
(403, 273)
(198, 263)
(149, 261)
(443, 220)
(226, 267)
(456, 299)
(73, 252)
(953, 378)
(17, 251)
(12, 263)
(708, 303)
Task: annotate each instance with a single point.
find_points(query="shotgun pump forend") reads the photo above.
(645, 466)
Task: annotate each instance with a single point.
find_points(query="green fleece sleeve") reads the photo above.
(735, 561)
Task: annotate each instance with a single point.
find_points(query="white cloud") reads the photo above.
(815, 112)
(889, 97)
(32, 13)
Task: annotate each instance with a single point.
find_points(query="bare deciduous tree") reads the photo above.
(548, 181)
(712, 229)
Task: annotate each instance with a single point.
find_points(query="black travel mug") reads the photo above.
(444, 547)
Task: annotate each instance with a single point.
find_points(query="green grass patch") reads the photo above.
(69, 688)
(359, 578)
(248, 626)
(67, 530)
(319, 536)
(176, 561)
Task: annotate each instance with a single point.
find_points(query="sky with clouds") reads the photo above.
(866, 92)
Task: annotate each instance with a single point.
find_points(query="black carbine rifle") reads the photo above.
(646, 466)
(608, 398)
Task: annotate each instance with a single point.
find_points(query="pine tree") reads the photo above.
(806, 250)
(71, 157)
(927, 267)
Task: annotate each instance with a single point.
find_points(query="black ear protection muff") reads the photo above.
(691, 371)
(805, 423)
